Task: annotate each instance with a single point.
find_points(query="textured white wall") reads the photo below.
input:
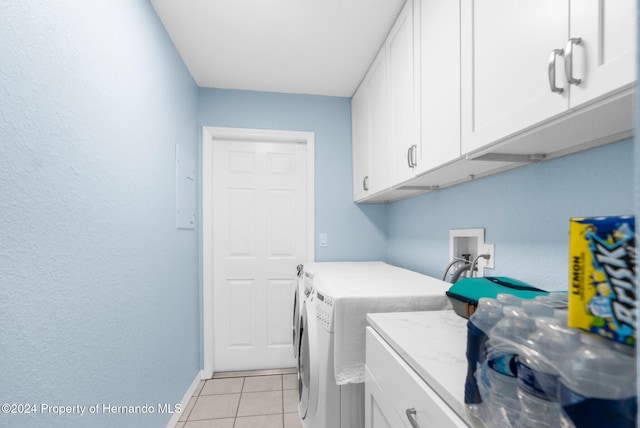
(98, 290)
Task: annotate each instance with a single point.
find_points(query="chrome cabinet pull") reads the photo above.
(411, 156)
(411, 415)
(568, 61)
(365, 183)
(414, 156)
(552, 70)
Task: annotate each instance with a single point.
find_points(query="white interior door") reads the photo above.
(259, 237)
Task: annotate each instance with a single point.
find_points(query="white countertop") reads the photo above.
(434, 344)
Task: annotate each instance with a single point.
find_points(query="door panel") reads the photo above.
(360, 139)
(377, 417)
(281, 235)
(279, 329)
(605, 58)
(506, 46)
(259, 216)
(241, 296)
(241, 203)
(440, 85)
(379, 412)
(403, 133)
(379, 123)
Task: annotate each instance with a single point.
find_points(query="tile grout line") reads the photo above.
(194, 404)
(242, 392)
(192, 407)
(235, 419)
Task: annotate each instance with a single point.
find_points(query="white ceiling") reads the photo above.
(319, 47)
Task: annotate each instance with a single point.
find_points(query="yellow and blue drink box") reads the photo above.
(602, 277)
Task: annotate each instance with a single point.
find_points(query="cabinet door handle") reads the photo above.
(552, 70)
(414, 156)
(568, 61)
(411, 415)
(411, 156)
(365, 183)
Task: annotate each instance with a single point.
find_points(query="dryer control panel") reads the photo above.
(324, 310)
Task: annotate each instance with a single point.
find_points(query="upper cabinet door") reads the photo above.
(402, 97)
(603, 48)
(507, 66)
(360, 141)
(438, 51)
(378, 123)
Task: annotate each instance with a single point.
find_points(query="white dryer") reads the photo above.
(332, 328)
(322, 403)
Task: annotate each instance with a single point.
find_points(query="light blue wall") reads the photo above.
(525, 213)
(355, 232)
(98, 290)
(99, 293)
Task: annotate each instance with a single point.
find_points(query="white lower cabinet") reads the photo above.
(379, 411)
(395, 396)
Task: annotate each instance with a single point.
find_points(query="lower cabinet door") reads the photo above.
(379, 412)
(406, 396)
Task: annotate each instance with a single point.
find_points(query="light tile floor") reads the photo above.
(252, 400)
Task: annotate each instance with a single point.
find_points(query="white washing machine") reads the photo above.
(343, 293)
(322, 403)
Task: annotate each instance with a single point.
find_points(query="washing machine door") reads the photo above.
(307, 363)
(296, 320)
(297, 302)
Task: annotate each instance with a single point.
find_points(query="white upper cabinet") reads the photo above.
(506, 48)
(602, 48)
(529, 61)
(464, 89)
(404, 136)
(370, 130)
(360, 142)
(438, 54)
(379, 123)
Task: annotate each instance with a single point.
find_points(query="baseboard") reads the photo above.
(185, 400)
(250, 373)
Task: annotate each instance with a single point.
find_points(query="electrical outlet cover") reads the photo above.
(491, 250)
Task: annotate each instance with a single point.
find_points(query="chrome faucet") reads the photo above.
(475, 262)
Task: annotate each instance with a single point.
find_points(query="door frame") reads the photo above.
(209, 135)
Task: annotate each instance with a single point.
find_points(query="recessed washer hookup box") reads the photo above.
(602, 277)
